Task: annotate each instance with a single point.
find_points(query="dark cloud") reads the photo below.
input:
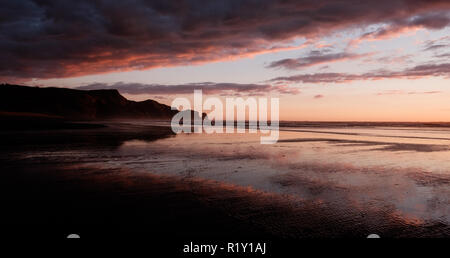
(315, 57)
(225, 89)
(61, 38)
(436, 46)
(419, 71)
(319, 96)
(442, 43)
(430, 20)
(445, 55)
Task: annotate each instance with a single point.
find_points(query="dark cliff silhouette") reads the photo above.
(78, 104)
(35, 107)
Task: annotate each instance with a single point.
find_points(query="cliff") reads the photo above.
(71, 104)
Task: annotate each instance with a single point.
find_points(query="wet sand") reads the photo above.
(102, 203)
(98, 204)
(56, 197)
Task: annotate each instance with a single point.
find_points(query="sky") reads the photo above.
(327, 60)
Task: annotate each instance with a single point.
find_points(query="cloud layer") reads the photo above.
(401, 92)
(228, 89)
(315, 57)
(416, 72)
(62, 38)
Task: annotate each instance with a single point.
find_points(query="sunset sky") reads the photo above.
(327, 60)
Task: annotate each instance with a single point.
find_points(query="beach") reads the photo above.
(116, 182)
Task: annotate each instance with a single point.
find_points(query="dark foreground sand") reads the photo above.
(98, 203)
(52, 200)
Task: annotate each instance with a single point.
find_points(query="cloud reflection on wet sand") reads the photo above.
(307, 185)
